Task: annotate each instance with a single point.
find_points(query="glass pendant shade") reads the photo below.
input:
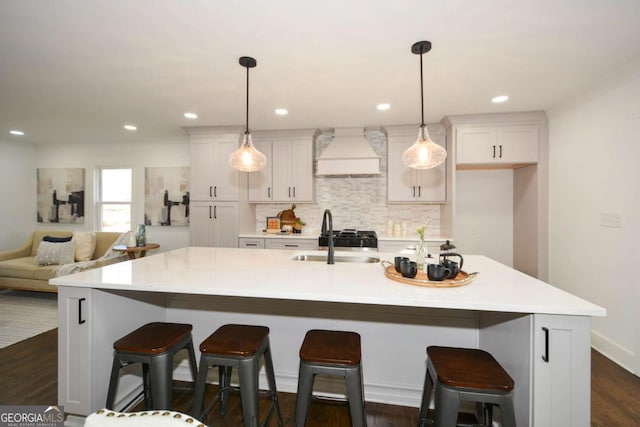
(424, 153)
(247, 158)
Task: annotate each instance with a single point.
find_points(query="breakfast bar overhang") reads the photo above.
(539, 333)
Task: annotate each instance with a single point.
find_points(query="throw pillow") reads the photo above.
(50, 253)
(85, 244)
(55, 239)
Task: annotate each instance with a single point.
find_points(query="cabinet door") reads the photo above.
(201, 169)
(74, 350)
(518, 144)
(260, 182)
(477, 145)
(225, 178)
(301, 170)
(293, 244)
(225, 225)
(562, 367)
(282, 186)
(249, 243)
(201, 223)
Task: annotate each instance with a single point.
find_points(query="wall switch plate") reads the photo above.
(610, 219)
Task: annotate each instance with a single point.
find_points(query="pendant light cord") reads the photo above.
(421, 93)
(246, 131)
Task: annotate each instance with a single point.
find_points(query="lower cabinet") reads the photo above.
(250, 243)
(89, 322)
(214, 224)
(561, 368)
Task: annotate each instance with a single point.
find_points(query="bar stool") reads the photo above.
(237, 346)
(334, 353)
(153, 345)
(466, 374)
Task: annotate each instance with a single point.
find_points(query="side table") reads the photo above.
(136, 251)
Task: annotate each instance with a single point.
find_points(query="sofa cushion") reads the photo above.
(26, 268)
(38, 235)
(85, 245)
(50, 253)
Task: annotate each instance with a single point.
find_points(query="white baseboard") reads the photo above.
(620, 355)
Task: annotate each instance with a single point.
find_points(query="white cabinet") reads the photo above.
(293, 244)
(250, 243)
(405, 184)
(211, 176)
(497, 145)
(561, 368)
(288, 176)
(75, 328)
(214, 224)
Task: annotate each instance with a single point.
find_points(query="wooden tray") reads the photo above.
(421, 279)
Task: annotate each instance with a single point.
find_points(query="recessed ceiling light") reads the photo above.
(499, 99)
(191, 115)
(16, 132)
(282, 111)
(383, 106)
(130, 127)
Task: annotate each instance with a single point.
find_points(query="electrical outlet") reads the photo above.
(610, 219)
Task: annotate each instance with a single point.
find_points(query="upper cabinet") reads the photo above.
(495, 145)
(508, 140)
(288, 176)
(405, 184)
(211, 176)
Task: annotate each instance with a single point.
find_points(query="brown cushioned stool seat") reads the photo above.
(238, 346)
(466, 374)
(153, 345)
(335, 353)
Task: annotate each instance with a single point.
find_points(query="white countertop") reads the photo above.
(273, 274)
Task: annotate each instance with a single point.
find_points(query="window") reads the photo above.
(114, 200)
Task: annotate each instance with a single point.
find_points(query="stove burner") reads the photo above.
(350, 238)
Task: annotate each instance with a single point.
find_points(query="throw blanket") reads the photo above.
(76, 267)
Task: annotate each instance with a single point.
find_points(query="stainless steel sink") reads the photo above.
(337, 258)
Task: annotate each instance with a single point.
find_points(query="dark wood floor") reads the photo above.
(28, 376)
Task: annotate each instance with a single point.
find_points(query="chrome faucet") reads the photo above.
(329, 234)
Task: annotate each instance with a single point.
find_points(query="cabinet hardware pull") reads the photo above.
(215, 191)
(215, 212)
(419, 191)
(80, 319)
(545, 357)
(210, 189)
(294, 192)
(210, 212)
(414, 191)
(494, 151)
(269, 192)
(251, 244)
(500, 150)
(290, 246)
(289, 191)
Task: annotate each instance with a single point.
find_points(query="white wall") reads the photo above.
(131, 155)
(17, 193)
(484, 213)
(594, 175)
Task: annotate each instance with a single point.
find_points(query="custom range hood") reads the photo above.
(349, 153)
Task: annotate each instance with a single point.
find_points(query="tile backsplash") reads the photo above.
(356, 202)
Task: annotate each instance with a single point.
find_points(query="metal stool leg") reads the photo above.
(201, 382)
(248, 376)
(355, 393)
(271, 379)
(192, 360)
(303, 398)
(447, 404)
(113, 381)
(508, 413)
(426, 398)
(161, 369)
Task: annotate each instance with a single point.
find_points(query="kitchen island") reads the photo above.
(540, 334)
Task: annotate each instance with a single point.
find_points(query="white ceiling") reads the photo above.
(78, 70)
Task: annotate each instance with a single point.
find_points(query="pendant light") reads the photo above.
(424, 153)
(247, 158)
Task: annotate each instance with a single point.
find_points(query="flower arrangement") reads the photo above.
(421, 247)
